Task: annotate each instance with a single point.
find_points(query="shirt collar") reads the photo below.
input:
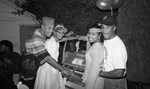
(37, 32)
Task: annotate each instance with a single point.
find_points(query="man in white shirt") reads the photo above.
(115, 61)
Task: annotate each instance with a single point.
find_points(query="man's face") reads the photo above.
(108, 31)
(3, 48)
(48, 30)
(59, 33)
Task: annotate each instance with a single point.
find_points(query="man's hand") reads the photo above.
(16, 78)
(66, 72)
(100, 73)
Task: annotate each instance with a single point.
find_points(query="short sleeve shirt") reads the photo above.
(116, 54)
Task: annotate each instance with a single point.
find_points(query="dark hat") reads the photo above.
(109, 20)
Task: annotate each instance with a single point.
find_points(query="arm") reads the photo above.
(84, 38)
(46, 57)
(68, 38)
(119, 63)
(114, 74)
(37, 48)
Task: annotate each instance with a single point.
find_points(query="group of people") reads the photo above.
(105, 57)
(50, 73)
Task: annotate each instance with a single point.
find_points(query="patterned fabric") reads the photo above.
(33, 56)
(28, 66)
(35, 45)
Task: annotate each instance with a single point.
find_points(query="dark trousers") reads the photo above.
(29, 83)
(114, 83)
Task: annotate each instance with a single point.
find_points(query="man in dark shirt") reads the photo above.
(9, 65)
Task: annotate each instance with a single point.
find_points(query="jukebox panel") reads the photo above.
(74, 59)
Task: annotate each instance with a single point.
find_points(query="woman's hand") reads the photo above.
(69, 33)
(82, 38)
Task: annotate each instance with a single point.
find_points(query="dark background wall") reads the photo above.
(133, 27)
(134, 23)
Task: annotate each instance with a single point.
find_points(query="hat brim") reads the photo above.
(108, 24)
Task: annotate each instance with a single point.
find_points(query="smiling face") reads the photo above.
(59, 33)
(108, 31)
(47, 30)
(94, 35)
(47, 26)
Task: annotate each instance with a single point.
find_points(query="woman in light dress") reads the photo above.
(48, 77)
(94, 58)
